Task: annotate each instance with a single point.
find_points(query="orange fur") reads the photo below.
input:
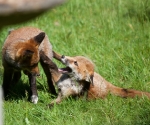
(76, 78)
(20, 52)
(100, 87)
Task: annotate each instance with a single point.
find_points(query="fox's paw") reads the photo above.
(50, 106)
(34, 99)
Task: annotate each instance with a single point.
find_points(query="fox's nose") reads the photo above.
(62, 56)
(63, 59)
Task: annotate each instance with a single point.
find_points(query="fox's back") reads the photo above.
(26, 33)
(100, 88)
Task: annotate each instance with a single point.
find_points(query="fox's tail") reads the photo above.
(124, 93)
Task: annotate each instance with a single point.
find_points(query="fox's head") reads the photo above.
(79, 67)
(27, 55)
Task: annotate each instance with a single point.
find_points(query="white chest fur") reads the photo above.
(67, 84)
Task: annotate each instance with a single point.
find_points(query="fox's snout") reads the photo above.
(64, 60)
(35, 71)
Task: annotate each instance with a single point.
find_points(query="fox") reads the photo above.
(20, 52)
(79, 79)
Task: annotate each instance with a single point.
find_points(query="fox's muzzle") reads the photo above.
(63, 60)
(35, 71)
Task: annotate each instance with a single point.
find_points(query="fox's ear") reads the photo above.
(38, 39)
(89, 78)
(27, 54)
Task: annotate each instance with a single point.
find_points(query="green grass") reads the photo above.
(116, 36)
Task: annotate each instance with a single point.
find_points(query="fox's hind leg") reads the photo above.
(7, 79)
(16, 77)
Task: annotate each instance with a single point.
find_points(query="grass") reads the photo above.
(115, 35)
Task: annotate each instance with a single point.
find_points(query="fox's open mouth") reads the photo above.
(65, 70)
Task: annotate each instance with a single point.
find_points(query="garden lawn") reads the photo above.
(115, 35)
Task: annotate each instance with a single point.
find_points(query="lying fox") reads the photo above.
(20, 52)
(79, 78)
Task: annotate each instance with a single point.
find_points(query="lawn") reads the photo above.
(115, 35)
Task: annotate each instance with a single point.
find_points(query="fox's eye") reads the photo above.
(75, 62)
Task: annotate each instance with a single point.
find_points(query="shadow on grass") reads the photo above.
(21, 90)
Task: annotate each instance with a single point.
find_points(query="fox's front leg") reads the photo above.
(56, 101)
(62, 94)
(33, 88)
(7, 79)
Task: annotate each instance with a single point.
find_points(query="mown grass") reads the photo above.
(115, 35)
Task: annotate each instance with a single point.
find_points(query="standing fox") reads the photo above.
(79, 79)
(21, 52)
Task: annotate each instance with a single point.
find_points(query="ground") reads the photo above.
(115, 35)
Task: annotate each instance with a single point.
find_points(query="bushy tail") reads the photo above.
(124, 93)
